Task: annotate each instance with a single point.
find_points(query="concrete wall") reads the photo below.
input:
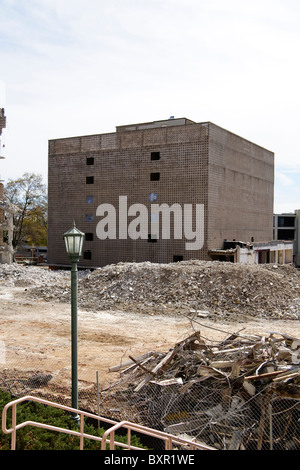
(198, 164)
(240, 188)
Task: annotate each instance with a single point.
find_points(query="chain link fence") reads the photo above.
(240, 393)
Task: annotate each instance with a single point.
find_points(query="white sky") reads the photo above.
(78, 67)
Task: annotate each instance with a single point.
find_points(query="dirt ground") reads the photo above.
(36, 335)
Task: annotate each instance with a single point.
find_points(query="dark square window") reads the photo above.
(89, 237)
(89, 180)
(154, 176)
(90, 161)
(177, 258)
(152, 238)
(155, 155)
(286, 221)
(87, 254)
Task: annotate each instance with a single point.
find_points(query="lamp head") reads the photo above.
(74, 241)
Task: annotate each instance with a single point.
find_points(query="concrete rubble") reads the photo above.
(18, 275)
(213, 290)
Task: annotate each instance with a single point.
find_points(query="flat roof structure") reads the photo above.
(160, 191)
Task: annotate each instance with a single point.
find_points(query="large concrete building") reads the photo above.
(174, 190)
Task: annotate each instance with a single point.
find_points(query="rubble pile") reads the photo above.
(201, 288)
(243, 393)
(18, 275)
(195, 287)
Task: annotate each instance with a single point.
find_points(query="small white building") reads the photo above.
(277, 252)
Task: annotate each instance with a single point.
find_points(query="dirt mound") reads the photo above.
(209, 289)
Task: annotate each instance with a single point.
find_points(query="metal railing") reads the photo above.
(169, 440)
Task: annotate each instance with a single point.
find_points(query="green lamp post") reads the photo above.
(74, 241)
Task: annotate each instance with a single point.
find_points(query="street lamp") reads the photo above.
(73, 241)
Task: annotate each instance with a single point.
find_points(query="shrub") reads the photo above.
(32, 438)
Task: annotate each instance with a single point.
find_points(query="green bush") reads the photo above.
(33, 438)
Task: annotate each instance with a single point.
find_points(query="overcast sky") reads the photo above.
(79, 67)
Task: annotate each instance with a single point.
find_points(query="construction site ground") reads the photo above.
(35, 327)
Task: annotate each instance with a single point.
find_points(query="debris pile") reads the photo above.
(211, 289)
(243, 393)
(18, 275)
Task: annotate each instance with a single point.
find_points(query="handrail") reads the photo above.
(168, 438)
(13, 404)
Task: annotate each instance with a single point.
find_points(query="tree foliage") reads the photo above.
(30, 195)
